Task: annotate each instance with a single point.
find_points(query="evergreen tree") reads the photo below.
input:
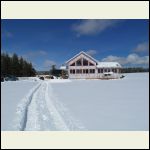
(21, 63)
(53, 68)
(6, 64)
(2, 64)
(15, 66)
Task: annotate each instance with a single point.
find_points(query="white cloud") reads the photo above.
(121, 60)
(93, 26)
(91, 52)
(48, 63)
(132, 59)
(142, 47)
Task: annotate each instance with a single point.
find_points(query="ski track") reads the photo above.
(41, 111)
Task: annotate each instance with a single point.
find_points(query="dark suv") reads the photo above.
(11, 78)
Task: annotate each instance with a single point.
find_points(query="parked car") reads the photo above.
(41, 78)
(122, 76)
(51, 77)
(2, 79)
(108, 75)
(11, 78)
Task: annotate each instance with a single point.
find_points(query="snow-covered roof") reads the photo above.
(84, 53)
(108, 65)
(63, 67)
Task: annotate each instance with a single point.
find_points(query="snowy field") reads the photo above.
(11, 94)
(64, 105)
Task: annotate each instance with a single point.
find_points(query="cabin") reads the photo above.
(84, 66)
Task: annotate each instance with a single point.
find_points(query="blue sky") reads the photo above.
(53, 41)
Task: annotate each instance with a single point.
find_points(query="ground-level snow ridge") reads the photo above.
(40, 110)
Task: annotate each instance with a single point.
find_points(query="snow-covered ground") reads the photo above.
(12, 92)
(62, 105)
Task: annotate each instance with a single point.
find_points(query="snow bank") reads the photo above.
(21, 113)
(11, 94)
(29, 78)
(59, 80)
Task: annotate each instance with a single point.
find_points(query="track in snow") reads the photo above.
(41, 110)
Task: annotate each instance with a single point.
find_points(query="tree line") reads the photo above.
(16, 66)
(134, 69)
(54, 72)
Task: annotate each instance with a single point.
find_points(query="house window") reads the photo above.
(79, 62)
(84, 71)
(73, 64)
(73, 71)
(92, 70)
(85, 62)
(91, 64)
(87, 71)
(115, 70)
(100, 70)
(105, 70)
(79, 71)
(108, 70)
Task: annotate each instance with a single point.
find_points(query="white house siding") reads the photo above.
(82, 75)
(92, 75)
